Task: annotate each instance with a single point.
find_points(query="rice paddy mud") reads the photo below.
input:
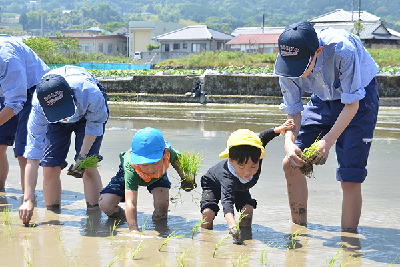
(75, 237)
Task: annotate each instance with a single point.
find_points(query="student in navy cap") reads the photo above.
(20, 70)
(334, 66)
(144, 164)
(67, 99)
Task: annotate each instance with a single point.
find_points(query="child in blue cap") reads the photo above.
(333, 65)
(20, 71)
(145, 164)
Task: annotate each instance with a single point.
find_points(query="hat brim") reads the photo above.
(290, 68)
(149, 158)
(55, 114)
(225, 153)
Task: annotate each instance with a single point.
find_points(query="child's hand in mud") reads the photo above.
(234, 232)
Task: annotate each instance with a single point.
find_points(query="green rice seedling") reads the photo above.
(144, 222)
(308, 154)
(241, 259)
(171, 236)
(264, 253)
(112, 230)
(293, 238)
(337, 257)
(198, 224)
(89, 162)
(183, 256)
(30, 260)
(189, 163)
(7, 216)
(242, 215)
(8, 219)
(138, 249)
(394, 261)
(218, 245)
(120, 256)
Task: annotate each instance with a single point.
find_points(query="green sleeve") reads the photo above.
(173, 154)
(130, 175)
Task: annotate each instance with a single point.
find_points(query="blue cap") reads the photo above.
(148, 146)
(55, 97)
(297, 45)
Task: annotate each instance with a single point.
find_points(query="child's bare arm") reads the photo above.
(288, 125)
(131, 211)
(176, 164)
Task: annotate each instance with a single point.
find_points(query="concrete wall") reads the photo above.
(232, 88)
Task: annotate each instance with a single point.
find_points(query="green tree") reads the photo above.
(23, 20)
(358, 28)
(43, 47)
(67, 44)
(112, 26)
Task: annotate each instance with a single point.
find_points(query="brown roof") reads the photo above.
(261, 38)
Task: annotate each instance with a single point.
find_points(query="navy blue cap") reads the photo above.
(55, 97)
(297, 45)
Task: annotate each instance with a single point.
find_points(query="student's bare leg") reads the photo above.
(109, 204)
(297, 191)
(3, 165)
(22, 163)
(351, 205)
(52, 187)
(208, 217)
(92, 186)
(161, 202)
(247, 220)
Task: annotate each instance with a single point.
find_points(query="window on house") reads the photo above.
(184, 45)
(166, 46)
(101, 47)
(198, 47)
(110, 49)
(177, 46)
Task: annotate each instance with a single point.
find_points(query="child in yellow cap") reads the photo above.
(231, 179)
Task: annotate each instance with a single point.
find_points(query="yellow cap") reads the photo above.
(243, 137)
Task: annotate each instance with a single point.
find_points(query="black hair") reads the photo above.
(242, 153)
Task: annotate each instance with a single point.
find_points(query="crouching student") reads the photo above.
(66, 100)
(145, 164)
(231, 179)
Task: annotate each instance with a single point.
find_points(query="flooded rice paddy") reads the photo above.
(75, 237)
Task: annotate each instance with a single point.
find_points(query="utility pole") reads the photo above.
(41, 19)
(82, 21)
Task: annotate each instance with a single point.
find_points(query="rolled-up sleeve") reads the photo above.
(291, 96)
(37, 128)
(350, 78)
(14, 83)
(96, 113)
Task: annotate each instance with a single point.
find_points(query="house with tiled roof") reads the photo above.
(255, 43)
(374, 33)
(190, 40)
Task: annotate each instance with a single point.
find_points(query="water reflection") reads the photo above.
(77, 237)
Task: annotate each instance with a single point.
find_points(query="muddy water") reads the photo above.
(75, 237)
